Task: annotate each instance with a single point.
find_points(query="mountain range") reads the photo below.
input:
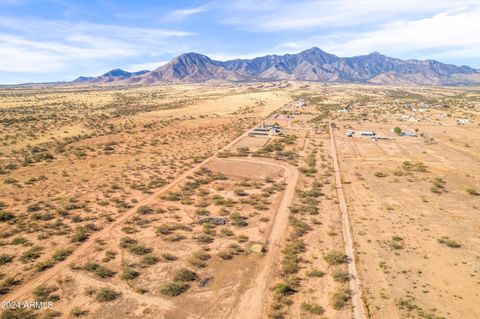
(309, 65)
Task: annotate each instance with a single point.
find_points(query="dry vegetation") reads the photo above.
(113, 205)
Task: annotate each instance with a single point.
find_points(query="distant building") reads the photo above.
(463, 121)
(367, 133)
(266, 129)
(408, 134)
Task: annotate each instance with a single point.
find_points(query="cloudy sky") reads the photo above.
(50, 40)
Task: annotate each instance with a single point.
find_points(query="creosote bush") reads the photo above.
(335, 257)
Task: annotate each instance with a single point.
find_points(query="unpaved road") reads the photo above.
(354, 283)
(252, 302)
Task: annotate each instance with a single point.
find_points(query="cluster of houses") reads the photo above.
(373, 134)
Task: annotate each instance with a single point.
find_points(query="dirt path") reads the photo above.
(42, 278)
(253, 301)
(354, 283)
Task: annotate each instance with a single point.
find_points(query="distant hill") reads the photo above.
(309, 65)
(110, 76)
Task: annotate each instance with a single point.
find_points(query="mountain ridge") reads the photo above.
(309, 65)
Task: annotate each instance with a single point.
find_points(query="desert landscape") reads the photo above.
(253, 200)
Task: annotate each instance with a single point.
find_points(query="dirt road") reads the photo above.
(253, 301)
(354, 283)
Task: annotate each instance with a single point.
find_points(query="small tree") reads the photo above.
(397, 130)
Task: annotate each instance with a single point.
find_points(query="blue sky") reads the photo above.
(49, 40)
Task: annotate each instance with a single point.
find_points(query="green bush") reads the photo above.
(316, 273)
(340, 299)
(169, 257)
(185, 275)
(18, 313)
(448, 242)
(5, 259)
(6, 216)
(129, 273)
(61, 254)
(173, 289)
(341, 276)
(473, 192)
(139, 249)
(225, 255)
(106, 294)
(30, 255)
(149, 260)
(312, 308)
(204, 239)
(44, 293)
(284, 289)
(335, 257)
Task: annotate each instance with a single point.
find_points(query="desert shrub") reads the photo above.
(19, 241)
(240, 192)
(145, 210)
(300, 227)
(18, 313)
(139, 249)
(166, 229)
(30, 255)
(226, 232)
(340, 298)
(61, 254)
(5, 259)
(316, 273)
(380, 174)
(312, 308)
(448, 242)
(7, 285)
(202, 255)
(225, 255)
(77, 312)
(80, 235)
(169, 257)
(396, 243)
(149, 260)
(335, 257)
(129, 273)
(473, 192)
(6, 216)
(284, 289)
(238, 220)
(202, 212)
(185, 275)
(126, 242)
(174, 237)
(106, 294)
(173, 289)
(341, 276)
(204, 239)
(42, 266)
(44, 293)
(129, 230)
(99, 270)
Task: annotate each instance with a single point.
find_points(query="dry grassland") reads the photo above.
(153, 202)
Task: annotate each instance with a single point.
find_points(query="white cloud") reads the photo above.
(183, 13)
(447, 34)
(41, 46)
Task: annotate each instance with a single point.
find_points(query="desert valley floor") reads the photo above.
(240, 201)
